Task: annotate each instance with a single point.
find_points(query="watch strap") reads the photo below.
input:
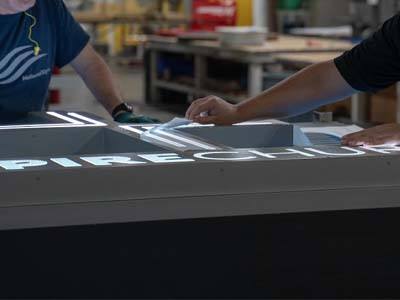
(121, 108)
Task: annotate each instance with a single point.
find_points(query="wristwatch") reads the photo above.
(122, 108)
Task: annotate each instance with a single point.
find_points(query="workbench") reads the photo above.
(92, 208)
(255, 57)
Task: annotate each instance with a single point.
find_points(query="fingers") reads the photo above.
(388, 134)
(200, 106)
(362, 139)
(352, 140)
(353, 143)
(193, 106)
(205, 120)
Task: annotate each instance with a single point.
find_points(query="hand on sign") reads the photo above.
(131, 118)
(385, 134)
(213, 110)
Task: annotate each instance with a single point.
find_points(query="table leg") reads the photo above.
(112, 49)
(200, 71)
(154, 95)
(359, 108)
(398, 103)
(255, 79)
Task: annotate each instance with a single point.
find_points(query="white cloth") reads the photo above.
(174, 123)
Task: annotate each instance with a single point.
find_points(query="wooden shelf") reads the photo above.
(225, 96)
(106, 18)
(177, 87)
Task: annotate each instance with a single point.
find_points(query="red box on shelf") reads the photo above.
(209, 14)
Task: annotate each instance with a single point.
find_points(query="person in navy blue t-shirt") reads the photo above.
(35, 37)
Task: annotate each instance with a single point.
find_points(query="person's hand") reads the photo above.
(131, 118)
(380, 135)
(213, 110)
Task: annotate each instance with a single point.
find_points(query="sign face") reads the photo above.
(180, 147)
(164, 158)
(55, 120)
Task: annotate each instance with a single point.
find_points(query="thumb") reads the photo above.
(206, 119)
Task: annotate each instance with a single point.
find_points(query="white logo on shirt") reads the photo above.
(15, 64)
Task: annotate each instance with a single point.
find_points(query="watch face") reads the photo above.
(128, 107)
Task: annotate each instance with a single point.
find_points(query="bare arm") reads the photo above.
(310, 88)
(98, 78)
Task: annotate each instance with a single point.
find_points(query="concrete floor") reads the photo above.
(76, 97)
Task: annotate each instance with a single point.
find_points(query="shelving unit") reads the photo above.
(169, 85)
(255, 58)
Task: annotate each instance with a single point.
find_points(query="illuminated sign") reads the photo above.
(67, 120)
(181, 147)
(170, 138)
(217, 156)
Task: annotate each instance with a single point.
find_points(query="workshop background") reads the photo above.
(166, 53)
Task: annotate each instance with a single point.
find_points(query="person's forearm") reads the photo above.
(310, 88)
(99, 80)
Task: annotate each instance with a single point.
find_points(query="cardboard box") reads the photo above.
(383, 108)
(339, 109)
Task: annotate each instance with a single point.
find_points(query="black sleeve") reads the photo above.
(71, 38)
(375, 63)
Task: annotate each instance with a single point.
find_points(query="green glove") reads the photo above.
(131, 118)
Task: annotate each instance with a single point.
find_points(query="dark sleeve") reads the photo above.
(71, 38)
(375, 63)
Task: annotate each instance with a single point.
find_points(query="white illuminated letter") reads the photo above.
(290, 152)
(101, 161)
(383, 149)
(165, 158)
(65, 162)
(21, 164)
(354, 152)
(209, 156)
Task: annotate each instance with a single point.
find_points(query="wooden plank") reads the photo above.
(285, 44)
(106, 18)
(304, 59)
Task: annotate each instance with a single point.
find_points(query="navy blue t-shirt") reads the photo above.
(24, 77)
